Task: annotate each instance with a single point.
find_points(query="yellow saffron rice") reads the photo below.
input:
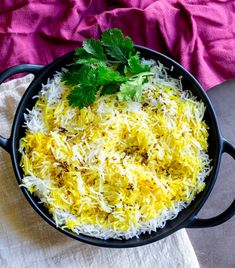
(116, 169)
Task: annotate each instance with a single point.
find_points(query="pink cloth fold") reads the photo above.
(198, 34)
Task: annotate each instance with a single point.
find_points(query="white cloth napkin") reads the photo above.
(26, 240)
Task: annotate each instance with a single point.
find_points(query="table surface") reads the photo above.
(215, 247)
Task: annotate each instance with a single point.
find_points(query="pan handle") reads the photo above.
(228, 213)
(28, 68)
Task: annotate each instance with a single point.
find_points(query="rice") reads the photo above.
(116, 169)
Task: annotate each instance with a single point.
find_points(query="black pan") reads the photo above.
(187, 217)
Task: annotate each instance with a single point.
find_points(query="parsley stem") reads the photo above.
(114, 61)
(142, 74)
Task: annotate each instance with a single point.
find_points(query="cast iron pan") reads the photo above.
(187, 217)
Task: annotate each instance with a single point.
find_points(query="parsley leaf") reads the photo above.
(87, 81)
(107, 75)
(135, 65)
(85, 75)
(82, 96)
(116, 45)
(91, 53)
(131, 90)
(82, 57)
(94, 47)
(70, 77)
(109, 89)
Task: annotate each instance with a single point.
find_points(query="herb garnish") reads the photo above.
(110, 65)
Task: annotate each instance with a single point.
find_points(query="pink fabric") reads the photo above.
(198, 34)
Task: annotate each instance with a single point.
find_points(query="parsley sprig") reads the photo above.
(109, 65)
